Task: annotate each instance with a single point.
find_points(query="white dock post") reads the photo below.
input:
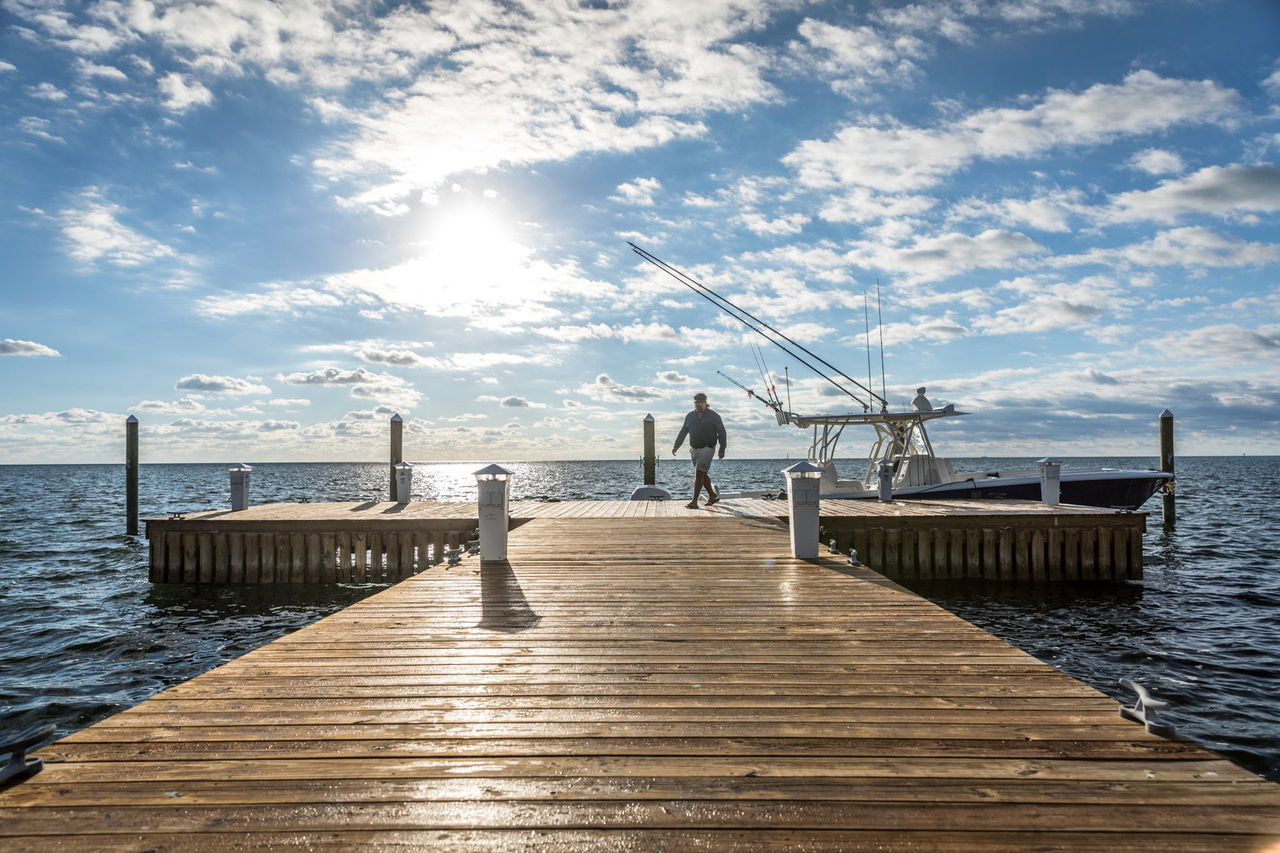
(1050, 481)
(886, 481)
(493, 489)
(803, 484)
(240, 486)
(403, 482)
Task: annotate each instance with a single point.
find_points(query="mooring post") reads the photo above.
(1166, 465)
(650, 454)
(397, 453)
(803, 501)
(493, 495)
(240, 475)
(1050, 481)
(131, 475)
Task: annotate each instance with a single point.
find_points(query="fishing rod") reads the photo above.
(759, 327)
(776, 406)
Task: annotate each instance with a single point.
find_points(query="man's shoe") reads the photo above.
(715, 499)
(692, 505)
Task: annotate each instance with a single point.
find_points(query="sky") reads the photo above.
(265, 228)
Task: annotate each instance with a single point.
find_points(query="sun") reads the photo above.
(476, 250)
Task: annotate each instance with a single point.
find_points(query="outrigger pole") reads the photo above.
(763, 329)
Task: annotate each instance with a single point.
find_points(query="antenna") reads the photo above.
(866, 324)
(884, 400)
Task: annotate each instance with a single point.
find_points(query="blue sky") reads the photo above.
(264, 228)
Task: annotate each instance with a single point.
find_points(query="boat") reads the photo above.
(902, 452)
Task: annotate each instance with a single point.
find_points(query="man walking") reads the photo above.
(704, 429)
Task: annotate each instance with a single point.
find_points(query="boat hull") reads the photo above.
(1111, 489)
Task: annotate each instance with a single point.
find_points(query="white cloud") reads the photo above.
(48, 92)
(181, 93)
(38, 127)
(220, 385)
(1157, 161)
(334, 376)
(946, 255)
(184, 406)
(1050, 212)
(94, 234)
(381, 388)
(860, 204)
(1054, 306)
(574, 334)
(638, 192)
(1187, 247)
(1227, 342)
(9, 346)
(278, 298)
(555, 81)
(1216, 190)
(791, 223)
(508, 287)
(393, 357)
(607, 390)
(889, 156)
(1272, 83)
(855, 59)
(289, 402)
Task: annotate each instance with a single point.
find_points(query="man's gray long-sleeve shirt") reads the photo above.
(703, 431)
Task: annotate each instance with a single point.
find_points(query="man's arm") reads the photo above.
(721, 435)
(684, 430)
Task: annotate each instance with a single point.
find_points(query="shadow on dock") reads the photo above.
(503, 606)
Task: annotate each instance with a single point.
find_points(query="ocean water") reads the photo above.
(83, 634)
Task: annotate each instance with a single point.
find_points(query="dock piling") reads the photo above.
(131, 475)
(397, 454)
(1166, 465)
(650, 454)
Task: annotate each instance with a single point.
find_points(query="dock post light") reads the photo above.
(239, 486)
(1050, 481)
(493, 489)
(404, 481)
(803, 482)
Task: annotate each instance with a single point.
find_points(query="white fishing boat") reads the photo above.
(902, 443)
(902, 447)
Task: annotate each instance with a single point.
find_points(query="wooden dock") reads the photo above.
(1003, 541)
(636, 684)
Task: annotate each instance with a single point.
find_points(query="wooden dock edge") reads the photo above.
(219, 551)
(1106, 547)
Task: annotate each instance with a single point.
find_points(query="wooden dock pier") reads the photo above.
(636, 683)
(1005, 541)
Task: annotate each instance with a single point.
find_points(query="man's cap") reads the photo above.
(699, 396)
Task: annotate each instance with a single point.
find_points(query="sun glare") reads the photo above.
(478, 253)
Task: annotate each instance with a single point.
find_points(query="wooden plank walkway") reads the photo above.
(599, 691)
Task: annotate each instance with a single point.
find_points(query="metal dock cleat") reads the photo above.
(1144, 710)
(19, 766)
